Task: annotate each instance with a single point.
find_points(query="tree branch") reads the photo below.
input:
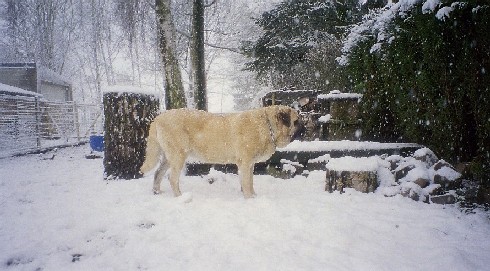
(234, 50)
(207, 5)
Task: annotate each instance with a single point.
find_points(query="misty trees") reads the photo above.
(105, 42)
(31, 29)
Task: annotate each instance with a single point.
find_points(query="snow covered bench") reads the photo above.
(307, 153)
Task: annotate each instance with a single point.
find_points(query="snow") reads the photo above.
(321, 159)
(380, 24)
(445, 172)
(349, 163)
(325, 119)
(131, 89)
(335, 94)
(342, 145)
(443, 13)
(430, 5)
(60, 214)
(424, 152)
(17, 91)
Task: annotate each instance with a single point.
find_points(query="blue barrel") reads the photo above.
(97, 142)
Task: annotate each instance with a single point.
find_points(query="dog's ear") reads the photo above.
(284, 117)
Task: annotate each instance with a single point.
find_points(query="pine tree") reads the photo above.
(300, 42)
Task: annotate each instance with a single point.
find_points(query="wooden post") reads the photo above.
(37, 110)
(76, 122)
(126, 124)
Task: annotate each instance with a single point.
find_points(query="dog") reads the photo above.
(243, 139)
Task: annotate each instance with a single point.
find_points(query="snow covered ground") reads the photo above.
(59, 214)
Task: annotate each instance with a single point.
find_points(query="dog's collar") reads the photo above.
(271, 131)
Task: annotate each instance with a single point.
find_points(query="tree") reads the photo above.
(198, 70)
(174, 89)
(297, 34)
(424, 75)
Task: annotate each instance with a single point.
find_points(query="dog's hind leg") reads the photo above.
(159, 174)
(153, 152)
(177, 163)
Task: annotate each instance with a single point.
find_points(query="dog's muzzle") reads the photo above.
(300, 131)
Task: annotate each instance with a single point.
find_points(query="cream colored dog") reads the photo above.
(237, 138)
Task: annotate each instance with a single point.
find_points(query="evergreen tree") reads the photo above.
(423, 70)
(300, 42)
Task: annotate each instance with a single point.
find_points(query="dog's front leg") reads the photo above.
(246, 178)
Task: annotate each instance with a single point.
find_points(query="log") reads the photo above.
(127, 120)
(363, 181)
(359, 173)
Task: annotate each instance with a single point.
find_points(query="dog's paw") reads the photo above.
(157, 192)
(185, 197)
(249, 195)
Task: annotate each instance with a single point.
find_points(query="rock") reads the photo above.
(412, 191)
(445, 175)
(438, 191)
(394, 160)
(401, 173)
(409, 193)
(423, 183)
(441, 163)
(425, 155)
(443, 199)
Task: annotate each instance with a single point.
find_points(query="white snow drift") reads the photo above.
(60, 215)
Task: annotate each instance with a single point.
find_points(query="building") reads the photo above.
(36, 78)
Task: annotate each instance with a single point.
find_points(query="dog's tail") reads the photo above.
(153, 150)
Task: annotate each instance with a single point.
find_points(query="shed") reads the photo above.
(36, 78)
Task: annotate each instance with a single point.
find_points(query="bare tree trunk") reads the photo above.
(197, 56)
(46, 13)
(95, 50)
(174, 89)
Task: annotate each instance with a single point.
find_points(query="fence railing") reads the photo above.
(30, 124)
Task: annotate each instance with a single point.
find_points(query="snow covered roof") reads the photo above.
(336, 95)
(342, 145)
(17, 91)
(44, 73)
(131, 89)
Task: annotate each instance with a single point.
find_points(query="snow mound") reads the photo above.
(349, 163)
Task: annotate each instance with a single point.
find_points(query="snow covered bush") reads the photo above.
(423, 66)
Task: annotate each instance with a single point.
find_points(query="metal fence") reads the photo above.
(29, 124)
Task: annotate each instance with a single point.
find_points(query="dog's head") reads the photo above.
(288, 123)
